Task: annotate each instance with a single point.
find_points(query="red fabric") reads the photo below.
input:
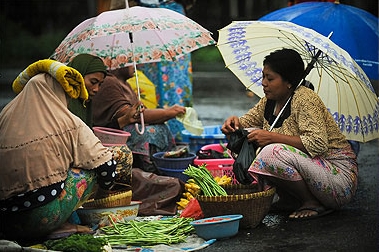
(192, 210)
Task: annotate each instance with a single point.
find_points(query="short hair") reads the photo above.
(288, 64)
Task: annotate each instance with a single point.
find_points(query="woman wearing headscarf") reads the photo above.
(172, 79)
(303, 152)
(50, 159)
(117, 106)
(87, 64)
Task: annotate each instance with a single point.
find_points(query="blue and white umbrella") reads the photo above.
(354, 30)
(338, 79)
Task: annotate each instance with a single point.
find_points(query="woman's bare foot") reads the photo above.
(309, 211)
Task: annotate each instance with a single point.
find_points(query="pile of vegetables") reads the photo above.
(224, 180)
(148, 233)
(204, 179)
(192, 190)
(77, 243)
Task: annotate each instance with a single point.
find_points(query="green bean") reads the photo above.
(204, 179)
(148, 233)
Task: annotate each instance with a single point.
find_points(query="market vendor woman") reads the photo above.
(305, 155)
(50, 159)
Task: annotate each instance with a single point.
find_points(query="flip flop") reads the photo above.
(321, 211)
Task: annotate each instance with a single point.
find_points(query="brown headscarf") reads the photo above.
(41, 139)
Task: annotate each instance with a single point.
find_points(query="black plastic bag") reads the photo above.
(209, 154)
(239, 144)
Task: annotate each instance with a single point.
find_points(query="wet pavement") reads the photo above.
(217, 95)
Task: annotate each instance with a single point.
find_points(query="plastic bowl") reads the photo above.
(173, 163)
(95, 216)
(218, 227)
(109, 136)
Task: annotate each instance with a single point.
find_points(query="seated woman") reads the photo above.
(85, 64)
(305, 155)
(50, 159)
(116, 105)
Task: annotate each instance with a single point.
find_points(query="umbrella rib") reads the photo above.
(344, 88)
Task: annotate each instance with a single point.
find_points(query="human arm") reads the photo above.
(264, 137)
(230, 125)
(131, 114)
(128, 115)
(161, 115)
(253, 118)
(307, 127)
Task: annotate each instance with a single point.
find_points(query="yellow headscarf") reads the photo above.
(70, 78)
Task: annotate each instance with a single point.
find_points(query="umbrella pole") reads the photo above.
(138, 89)
(312, 63)
(306, 72)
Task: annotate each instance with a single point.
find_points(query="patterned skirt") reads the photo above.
(79, 185)
(331, 179)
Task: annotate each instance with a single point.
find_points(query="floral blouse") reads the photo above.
(307, 117)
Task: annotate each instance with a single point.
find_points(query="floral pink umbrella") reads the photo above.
(132, 36)
(157, 34)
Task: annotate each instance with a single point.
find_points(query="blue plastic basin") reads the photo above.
(218, 227)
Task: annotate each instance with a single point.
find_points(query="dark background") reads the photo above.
(31, 29)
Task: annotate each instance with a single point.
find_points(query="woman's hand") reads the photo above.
(129, 114)
(175, 111)
(137, 109)
(263, 137)
(260, 137)
(230, 125)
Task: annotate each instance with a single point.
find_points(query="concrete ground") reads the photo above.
(217, 95)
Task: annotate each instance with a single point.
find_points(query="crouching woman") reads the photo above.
(50, 159)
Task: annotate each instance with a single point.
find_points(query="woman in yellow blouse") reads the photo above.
(305, 155)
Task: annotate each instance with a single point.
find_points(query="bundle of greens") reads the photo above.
(204, 179)
(77, 243)
(148, 233)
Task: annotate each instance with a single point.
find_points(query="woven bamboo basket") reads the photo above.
(114, 200)
(246, 200)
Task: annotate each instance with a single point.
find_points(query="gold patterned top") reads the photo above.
(307, 117)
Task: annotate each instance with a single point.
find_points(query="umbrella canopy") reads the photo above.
(134, 35)
(354, 30)
(339, 81)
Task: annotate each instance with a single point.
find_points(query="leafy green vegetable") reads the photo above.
(77, 243)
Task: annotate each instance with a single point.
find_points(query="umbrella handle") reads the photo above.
(137, 85)
(142, 124)
(258, 150)
(275, 121)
